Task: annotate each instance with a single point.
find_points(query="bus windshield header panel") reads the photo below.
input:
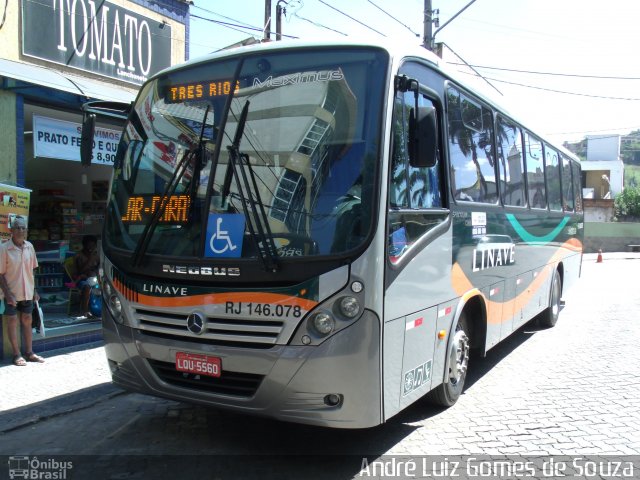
(225, 158)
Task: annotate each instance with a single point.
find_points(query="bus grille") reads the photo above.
(229, 383)
(218, 331)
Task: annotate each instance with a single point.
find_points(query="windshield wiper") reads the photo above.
(257, 220)
(147, 233)
(200, 160)
(178, 173)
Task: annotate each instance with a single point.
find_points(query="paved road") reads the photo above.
(570, 390)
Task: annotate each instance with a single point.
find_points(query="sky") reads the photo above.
(564, 68)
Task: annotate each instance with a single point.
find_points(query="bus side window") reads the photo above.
(552, 169)
(567, 185)
(535, 172)
(511, 164)
(473, 175)
(400, 155)
(577, 186)
(411, 189)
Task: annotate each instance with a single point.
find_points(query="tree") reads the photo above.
(627, 204)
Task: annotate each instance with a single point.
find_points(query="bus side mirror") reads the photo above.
(86, 139)
(423, 137)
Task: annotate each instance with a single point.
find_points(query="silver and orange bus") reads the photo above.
(323, 233)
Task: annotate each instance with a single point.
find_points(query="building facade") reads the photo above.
(55, 55)
(603, 170)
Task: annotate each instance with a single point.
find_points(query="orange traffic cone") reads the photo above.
(599, 260)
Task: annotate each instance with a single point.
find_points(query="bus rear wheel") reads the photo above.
(448, 393)
(549, 317)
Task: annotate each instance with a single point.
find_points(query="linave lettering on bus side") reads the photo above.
(301, 77)
(493, 257)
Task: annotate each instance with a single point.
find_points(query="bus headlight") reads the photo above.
(349, 307)
(115, 306)
(323, 323)
(106, 288)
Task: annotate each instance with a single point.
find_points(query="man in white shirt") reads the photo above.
(17, 262)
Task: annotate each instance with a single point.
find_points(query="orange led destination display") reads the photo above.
(200, 90)
(140, 209)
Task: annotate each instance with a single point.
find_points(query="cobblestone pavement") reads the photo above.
(572, 390)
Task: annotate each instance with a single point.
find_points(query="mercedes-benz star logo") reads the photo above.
(195, 323)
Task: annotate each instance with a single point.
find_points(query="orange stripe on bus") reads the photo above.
(463, 287)
(216, 298)
(221, 298)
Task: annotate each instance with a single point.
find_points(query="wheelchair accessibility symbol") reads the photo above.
(225, 233)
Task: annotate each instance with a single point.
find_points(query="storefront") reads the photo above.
(55, 56)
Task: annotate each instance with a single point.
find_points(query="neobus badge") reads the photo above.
(202, 271)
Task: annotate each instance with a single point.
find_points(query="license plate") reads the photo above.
(198, 364)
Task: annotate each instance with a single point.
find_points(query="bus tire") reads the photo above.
(549, 317)
(446, 394)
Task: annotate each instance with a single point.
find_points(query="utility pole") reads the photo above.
(427, 41)
(267, 20)
(279, 11)
(429, 34)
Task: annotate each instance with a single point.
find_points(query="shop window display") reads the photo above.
(56, 229)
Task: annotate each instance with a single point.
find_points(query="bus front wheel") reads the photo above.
(448, 393)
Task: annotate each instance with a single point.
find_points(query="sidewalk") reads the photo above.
(64, 371)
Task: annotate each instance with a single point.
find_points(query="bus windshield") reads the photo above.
(275, 153)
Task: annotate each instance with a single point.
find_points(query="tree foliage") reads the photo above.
(627, 204)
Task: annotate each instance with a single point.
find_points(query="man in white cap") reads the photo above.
(17, 262)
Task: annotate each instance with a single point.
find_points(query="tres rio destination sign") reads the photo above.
(96, 36)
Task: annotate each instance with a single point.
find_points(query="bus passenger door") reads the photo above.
(418, 248)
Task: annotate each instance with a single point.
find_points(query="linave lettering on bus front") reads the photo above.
(302, 77)
(164, 289)
(493, 257)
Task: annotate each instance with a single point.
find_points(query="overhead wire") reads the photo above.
(354, 19)
(393, 18)
(319, 25)
(605, 97)
(476, 72)
(234, 26)
(557, 74)
(223, 16)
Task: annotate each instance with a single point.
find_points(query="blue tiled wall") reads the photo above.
(47, 344)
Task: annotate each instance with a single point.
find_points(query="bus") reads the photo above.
(324, 233)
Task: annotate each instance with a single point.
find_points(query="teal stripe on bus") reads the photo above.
(529, 238)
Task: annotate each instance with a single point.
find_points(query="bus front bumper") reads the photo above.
(292, 383)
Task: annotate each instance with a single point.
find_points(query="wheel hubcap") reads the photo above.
(458, 357)
(555, 297)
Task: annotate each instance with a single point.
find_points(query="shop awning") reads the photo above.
(76, 85)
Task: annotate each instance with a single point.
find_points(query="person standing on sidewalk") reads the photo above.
(17, 262)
